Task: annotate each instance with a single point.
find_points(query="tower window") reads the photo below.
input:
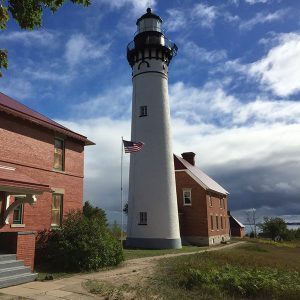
(187, 197)
(143, 218)
(143, 111)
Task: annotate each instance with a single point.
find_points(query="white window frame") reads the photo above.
(187, 190)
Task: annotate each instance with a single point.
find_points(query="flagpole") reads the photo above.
(122, 193)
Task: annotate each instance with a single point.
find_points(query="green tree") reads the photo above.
(28, 14)
(274, 227)
(94, 212)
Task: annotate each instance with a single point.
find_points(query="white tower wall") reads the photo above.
(152, 188)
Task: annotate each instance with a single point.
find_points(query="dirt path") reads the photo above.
(132, 273)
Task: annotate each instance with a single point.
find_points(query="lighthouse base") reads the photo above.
(143, 243)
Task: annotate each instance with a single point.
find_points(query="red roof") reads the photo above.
(18, 109)
(198, 175)
(12, 178)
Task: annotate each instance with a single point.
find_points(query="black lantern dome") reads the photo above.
(149, 37)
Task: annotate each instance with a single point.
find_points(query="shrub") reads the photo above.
(83, 243)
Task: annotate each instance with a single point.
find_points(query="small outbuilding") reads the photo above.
(237, 229)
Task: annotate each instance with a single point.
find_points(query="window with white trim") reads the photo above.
(187, 197)
(18, 214)
(221, 204)
(56, 210)
(143, 111)
(217, 222)
(211, 222)
(143, 218)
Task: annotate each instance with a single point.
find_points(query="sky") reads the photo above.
(234, 91)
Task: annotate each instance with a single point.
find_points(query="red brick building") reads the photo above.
(237, 229)
(41, 176)
(202, 204)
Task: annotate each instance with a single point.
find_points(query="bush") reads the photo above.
(84, 243)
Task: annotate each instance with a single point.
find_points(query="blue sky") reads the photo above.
(234, 91)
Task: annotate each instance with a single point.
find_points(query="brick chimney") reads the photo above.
(189, 157)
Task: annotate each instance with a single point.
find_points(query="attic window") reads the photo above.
(59, 154)
(187, 197)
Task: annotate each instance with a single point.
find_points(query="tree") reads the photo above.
(28, 14)
(274, 227)
(252, 220)
(94, 212)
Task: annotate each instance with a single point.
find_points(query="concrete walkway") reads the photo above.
(71, 288)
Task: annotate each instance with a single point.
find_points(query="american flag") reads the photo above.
(132, 146)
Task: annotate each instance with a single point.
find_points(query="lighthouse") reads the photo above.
(152, 203)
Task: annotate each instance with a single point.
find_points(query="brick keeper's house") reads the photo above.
(202, 204)
(41, 176)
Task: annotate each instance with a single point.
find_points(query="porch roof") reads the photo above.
(13, 180)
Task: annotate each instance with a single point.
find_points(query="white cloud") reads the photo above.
(204, 14)
(262, 18)
(80, 49)
(258, 150)
(29, 38)
(192, 50)
(176, 20)
(138, 6)
(18, 88)
(198, 15)
(279, 70)
(251, 2)
(211, 104)
(113, 102)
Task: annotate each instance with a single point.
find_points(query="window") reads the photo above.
(56, 210)
(210, 200)
(187, 197)
(224, 202)
(221, 219)
(211, 222)
(59, 154)
(217, 222)
(143, 111)
(143, 218)
(221, 200)
(18, 214)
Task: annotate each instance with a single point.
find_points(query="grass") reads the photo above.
(256, 270)
(139, 253)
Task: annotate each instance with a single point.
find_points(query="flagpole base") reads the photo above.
(149, 243)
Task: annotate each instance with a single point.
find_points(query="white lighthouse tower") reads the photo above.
(152, 203)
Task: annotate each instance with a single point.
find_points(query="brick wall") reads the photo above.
(195, 220)
(26, 248)
(30, 148)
